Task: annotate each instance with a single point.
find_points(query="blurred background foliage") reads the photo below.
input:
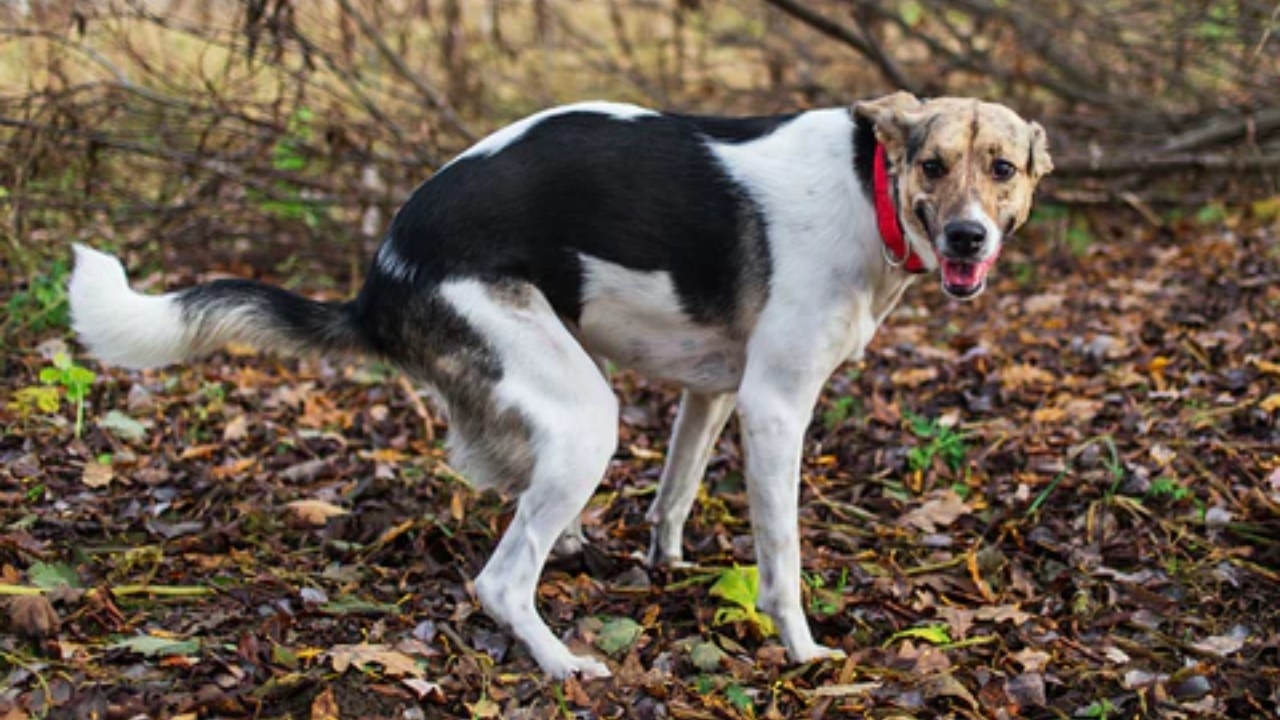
(274, 135)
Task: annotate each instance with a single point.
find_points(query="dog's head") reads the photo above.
(964, 172)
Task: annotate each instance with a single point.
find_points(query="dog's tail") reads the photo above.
(126, 328)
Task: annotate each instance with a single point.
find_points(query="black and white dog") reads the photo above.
(742, 259)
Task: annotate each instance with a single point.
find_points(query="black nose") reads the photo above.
(964, 237)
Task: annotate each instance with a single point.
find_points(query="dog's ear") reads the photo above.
(1039, 163)
(892, 116)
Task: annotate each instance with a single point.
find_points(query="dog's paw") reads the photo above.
(815, 652)
(584, 666)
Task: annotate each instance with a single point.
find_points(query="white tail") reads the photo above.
(118, 325)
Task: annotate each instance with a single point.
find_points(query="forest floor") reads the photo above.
(1060, 500)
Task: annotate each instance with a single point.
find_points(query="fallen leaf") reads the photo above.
(325, 706)
(1022, 375)
(123, 426)
(393, 662)
(1003, 613)
(618, 634)
(97, 474)
(914, 377)
(959, 620)
(935, 634)
(156, 645)
(846, 689)
(1026, 689)
(315, 512)
(50, 576)
(33, 616)
(1223, 645)
(940, 510)
(1031, 660)
(237, 429)
(425, 690)
(706, 656)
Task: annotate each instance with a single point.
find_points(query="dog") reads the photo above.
(743, 259)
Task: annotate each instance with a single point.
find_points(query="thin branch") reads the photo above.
(850, 37)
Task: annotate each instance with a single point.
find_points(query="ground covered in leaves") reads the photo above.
(1061, 500)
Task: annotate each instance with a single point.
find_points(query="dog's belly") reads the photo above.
(701, 359)
(634, 319)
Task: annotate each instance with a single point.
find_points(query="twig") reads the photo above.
(848, 36)
(433, 98)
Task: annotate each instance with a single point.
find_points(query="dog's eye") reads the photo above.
(933, 169)
(1003, 170)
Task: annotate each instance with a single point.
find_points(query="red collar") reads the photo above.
(896, 251)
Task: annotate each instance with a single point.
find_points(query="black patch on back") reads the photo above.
(864, 154)
(735, 130)
(645, 193)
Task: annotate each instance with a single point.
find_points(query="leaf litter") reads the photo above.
(1061, 500)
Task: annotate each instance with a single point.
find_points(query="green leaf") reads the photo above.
(911, 13)
(123, 426)
(738, 585)
(48, 576)
(618, 634)
(33, 399)
(50, 376)
(153, 646)
(933, 634)
(706, 656)
(738, 696)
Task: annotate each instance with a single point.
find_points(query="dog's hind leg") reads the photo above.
(574, 539)
(698, 423)
(571, 416)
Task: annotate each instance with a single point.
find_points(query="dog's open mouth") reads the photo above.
(963, 279)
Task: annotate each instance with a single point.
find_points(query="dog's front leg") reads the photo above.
(775, 404)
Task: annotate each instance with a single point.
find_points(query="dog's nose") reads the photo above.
(964, 237)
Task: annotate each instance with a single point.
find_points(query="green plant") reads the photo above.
(1170, 488)
(740, 588)
(941, 441)
(824, 600)
(74, 381)
(42, 305)
(839, 411)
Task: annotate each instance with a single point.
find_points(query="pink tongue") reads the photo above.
(965, 274)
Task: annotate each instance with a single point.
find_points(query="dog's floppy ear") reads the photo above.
(892, 116)
(1039, 163)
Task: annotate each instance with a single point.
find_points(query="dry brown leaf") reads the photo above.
(940, 510)
(325, 706)
(1048, 415)
(1037, 304)
(425, 690)
(1031, 660)
(1027, 689)
(393, 662)
(1003, 613)
(97, 474)
(958, 619)
(914, 377)
(237, 429)
(315, 512)
(1221, 645)
(925, 659)
(1023, 375)
(33, 616)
